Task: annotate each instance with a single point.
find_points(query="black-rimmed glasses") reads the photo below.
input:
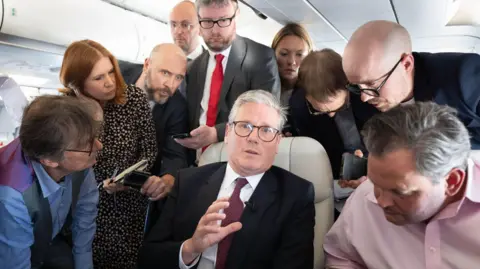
(375, 92)
(245, 128)
(223, 22)
(86, 151)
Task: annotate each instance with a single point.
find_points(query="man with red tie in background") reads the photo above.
(232, 65)
(242, 214)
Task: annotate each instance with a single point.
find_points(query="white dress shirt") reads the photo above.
(208, 80)
(196, 52)
(209, 256)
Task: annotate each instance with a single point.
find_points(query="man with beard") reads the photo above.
(161, 75)
(232, 65)
(185, 32)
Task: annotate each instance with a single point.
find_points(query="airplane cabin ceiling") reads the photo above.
(424, 19)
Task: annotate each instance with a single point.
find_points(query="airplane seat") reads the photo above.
(475, 155)
(306, 158)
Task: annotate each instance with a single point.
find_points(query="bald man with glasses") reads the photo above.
(383, 71)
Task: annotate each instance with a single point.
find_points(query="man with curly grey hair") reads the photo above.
(421, 203)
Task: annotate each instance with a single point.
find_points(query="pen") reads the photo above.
(100, 185)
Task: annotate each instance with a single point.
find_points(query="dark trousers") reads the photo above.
(59, 255)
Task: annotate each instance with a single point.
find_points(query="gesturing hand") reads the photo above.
(208, 232)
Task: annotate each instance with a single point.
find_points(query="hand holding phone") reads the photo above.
(181, 136)
(353, 167)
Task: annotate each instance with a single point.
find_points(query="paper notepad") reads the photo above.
(140, 166)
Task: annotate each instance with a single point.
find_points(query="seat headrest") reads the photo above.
(303, 156)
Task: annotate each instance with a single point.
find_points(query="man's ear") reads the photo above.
(49, 163)
(454, 181)
(227, 131)
(146, 64)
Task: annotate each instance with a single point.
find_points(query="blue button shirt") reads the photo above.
(16, 229)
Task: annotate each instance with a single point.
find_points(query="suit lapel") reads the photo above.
(234, 66)
(262, 198)
(195, 88)
(208, 192)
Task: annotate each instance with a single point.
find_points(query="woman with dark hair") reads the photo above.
(128, 136)
(291, 44)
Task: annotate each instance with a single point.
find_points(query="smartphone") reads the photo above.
(136, 179)
(353, 167)
(181, 136)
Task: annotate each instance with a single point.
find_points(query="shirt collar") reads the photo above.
(196, 52)
(225, 52)
(47, 183)
(231, 176)
(472, 191)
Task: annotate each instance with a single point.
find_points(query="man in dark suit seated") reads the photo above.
(381, 68)
(242, 214)
(161, 75)
(232, 65)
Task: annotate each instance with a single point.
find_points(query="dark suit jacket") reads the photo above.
(250, 66)
(276, 233)
(130, 71)
(169, 118)
(322, 127)
(445, 78)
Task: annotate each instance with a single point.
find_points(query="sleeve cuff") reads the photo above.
(181, 264)
(83, 260)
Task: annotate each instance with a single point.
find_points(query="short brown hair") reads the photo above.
(321, 75)
(78, 62)
(52, 123)
(292, 29)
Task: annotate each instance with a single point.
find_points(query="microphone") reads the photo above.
(251, 205)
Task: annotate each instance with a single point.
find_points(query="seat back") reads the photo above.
(306, 158)
(475, 155)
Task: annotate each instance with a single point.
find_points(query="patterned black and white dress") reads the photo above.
(128, 136)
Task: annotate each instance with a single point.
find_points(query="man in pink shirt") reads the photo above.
(420, 207)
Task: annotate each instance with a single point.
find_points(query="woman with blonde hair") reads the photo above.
(89, 70)
(291, 44)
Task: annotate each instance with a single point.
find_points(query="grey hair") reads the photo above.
(433, 132)
(259, 97)
(218, 3)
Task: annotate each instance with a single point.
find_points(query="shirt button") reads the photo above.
(432, 249)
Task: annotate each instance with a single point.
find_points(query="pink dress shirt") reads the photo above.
(363, 238)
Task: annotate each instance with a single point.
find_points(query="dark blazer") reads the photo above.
(250, 66)
(130, 71)
(277, 232)
(445, 78)
(321, 127)
(169, 118)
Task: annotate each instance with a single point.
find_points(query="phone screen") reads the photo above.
(353, 167)
(181, 136)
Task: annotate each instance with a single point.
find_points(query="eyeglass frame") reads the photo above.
(315, 112)
(182, 23)
(85, 151)
(375, 92)
(234, 123)
(230, 19)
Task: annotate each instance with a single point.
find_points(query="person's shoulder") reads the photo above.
(135, 95)
(255, 46)
(200, 171)
(178, 99)
(289, 180)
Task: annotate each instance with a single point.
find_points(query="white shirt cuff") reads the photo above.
(181, 264)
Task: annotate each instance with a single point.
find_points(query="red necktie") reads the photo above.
(215, 90)
(233, 214)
